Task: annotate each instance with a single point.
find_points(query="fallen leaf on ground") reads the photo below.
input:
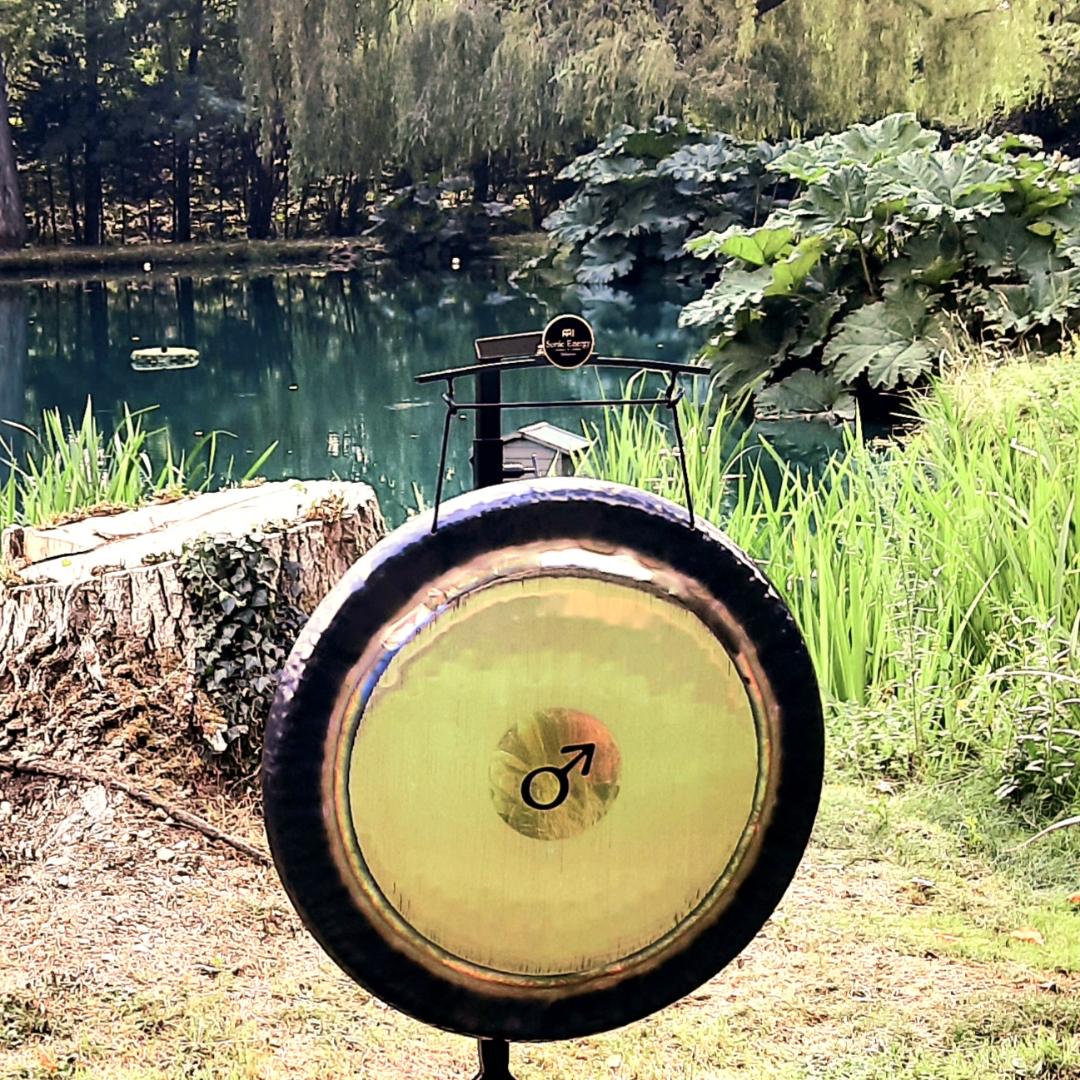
(1029, 935)
(46, 1061)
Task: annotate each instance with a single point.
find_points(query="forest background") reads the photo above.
(124, 121)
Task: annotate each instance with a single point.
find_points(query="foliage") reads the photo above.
(68, 468)
(425, 225)
(199, 118)
(125, 115)
(642, 191)
(244, 603)
(891, 241)
(1041, 688)
(957, 62)
(936, 582)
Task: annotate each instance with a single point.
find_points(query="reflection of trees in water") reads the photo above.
(350, 345)
(13, 315)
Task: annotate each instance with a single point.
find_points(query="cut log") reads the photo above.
(99, 634)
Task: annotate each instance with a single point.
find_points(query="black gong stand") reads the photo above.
(522, 352)
(494, 1060)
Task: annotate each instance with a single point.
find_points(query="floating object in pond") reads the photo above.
(165, 358)
(294, 386)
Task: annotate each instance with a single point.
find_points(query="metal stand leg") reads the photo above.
(494, 1060)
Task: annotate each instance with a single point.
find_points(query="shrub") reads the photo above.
(892, 241)
(643, 191)
(427, 226)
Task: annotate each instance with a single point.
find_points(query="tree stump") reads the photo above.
(131, 633)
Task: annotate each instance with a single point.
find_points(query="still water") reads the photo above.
(321, 362)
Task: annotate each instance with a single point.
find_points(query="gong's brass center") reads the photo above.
(555, 774)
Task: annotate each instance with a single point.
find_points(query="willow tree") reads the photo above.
(322, 69)
(956, 62)
(532, 82)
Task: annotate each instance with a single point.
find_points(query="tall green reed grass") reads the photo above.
(67, 467)
(936, 579)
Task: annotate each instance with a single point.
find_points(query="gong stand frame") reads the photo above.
(519, 352)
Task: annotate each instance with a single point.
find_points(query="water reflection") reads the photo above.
(322, 362)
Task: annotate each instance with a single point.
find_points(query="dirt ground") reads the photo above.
(134, 948)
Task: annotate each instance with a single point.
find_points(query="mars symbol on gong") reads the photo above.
(584, 756)
(555, 774)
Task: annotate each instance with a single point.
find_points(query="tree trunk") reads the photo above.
(266, 173)
(182, 174)
(357, 191)
(123, 206)
(73, 197)
(102, 643)
(481, 174)
(93, 198)
(12, 217)
(52, 204)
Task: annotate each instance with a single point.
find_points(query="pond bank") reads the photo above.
(40, 261)
(36, 261)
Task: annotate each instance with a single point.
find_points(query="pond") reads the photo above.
(320, 361)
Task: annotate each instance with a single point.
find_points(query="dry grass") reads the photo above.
(133, 950)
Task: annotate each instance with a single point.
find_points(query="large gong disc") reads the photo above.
(547, 769)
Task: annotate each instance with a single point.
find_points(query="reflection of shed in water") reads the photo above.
(541, 449)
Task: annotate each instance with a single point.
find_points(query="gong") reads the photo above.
(547, 769)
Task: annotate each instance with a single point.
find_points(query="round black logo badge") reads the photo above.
(568, 341)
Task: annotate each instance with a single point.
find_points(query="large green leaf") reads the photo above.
(844, 199)
(654, 144)
(636, 213)
(745, 359)
(789, 273)
(862, 143)
(673, 239)
(816, 324)
(886, 340)
(955, 183)
(931, 258)
(758, 247)
(605, 259)
(720, 161)
(1047, 299)
(735, 293)
(578, 218)
(1004, 245)
(615, 170)
(806, 393)
(581, 167)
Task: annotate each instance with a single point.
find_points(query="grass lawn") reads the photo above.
(911, 945)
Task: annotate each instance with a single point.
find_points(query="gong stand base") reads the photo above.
(494, 1060)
